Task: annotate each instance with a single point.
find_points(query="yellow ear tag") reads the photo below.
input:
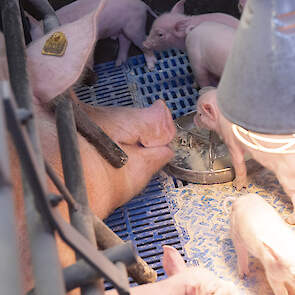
(55, 45)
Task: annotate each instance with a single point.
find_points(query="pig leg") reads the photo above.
(239, 165)
(278, 287)
(202, 77)
(137, 38)
(124, 45)
(242, 255)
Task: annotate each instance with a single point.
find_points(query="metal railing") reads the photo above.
(42, 216)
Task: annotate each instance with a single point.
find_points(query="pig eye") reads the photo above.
(160, 35)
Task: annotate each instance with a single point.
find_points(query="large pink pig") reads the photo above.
(124, 19)
(183, 280)
(142, 133)
(208, 46)
(208, 116)
(258, 229)
(169, 30)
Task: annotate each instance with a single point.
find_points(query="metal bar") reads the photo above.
(141, 272)
(70, 236)
(74, 179)
(9, 272)
(80, 273)
(48, 280)
(46, 13)
(62, 189)
(96, 136)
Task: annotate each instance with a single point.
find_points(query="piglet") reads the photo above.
(208, 116)
(208, 46)
(169, 29)
(281, 163)
(258, 229)
(198, 280)
(124, 20)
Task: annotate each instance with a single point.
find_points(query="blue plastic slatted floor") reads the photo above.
(146, 220)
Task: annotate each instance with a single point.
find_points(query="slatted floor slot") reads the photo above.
(172, 80)
(111, 89)
(146, 220)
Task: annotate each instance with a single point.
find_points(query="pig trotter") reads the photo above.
(291, 219)
(239, 183)
(124, 44)
(150, 60)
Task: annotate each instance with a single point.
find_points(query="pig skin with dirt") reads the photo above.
(208, 46)
(199, 280)
(208, 116)
(258, 229)
(170, 29)
(124, 20)
(144, 135)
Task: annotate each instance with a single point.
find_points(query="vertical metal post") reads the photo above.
(9, 272)
(46, 13)
(46, 265)
(74, 179)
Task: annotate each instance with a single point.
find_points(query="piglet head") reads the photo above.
(197, 280)
(168, 30)
(207, 111)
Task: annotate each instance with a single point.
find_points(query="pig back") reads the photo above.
(209, 44)
(254, 223)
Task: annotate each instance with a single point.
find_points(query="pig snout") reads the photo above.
(148, 44)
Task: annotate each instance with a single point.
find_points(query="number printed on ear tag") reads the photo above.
(55, 45)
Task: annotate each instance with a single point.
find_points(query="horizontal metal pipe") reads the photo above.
(45, 11)
(81, 273)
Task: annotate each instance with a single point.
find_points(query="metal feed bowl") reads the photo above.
(200, 155)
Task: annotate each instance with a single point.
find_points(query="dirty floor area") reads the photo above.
(201, 212)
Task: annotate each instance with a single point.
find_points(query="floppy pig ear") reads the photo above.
(180, 28)
(178, 7)
(172, 261)
(209, 110)
(52, 75)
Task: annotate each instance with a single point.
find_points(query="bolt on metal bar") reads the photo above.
(46, 13)
(48, 280)
(74, 179)
(9, 272)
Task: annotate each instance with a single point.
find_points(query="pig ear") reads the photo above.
(180, 28)
(173, 263)
(53, 75)
(178, 7)
(209, 110)
(272, 253)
